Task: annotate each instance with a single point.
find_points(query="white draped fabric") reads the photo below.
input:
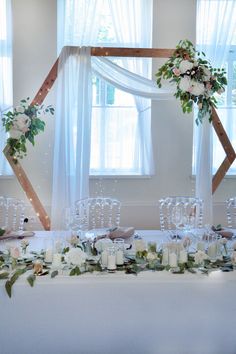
(71, 164)
(71, 161)
(79, 23)
(215, 29)
(5, 75)
(128, 29)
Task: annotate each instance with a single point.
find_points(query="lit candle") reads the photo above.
(183, 256)
(165, 257)
(48, 256)
(119, 257)
(173, 260)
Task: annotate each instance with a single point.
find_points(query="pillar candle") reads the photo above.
(56, 262)
(119, 257)
(212, 250)
(48, 256)
(201, 246)
(165, 257)
(104, 256)
(111, 262)
(173, 260)
(183, 256)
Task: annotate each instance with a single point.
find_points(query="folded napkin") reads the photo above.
(121, 232)
(8, 234)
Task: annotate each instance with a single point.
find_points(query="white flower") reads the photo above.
(200, 256)
(233, 257)
(15, 253)
(73, 240)
(185, 65)
(21, 122)
(24, 243)
(75, 256)
(15, 133)
(197, 88)
(151, 256)
(140, 245)
(207, 73)
(103, 244)
(185, 84)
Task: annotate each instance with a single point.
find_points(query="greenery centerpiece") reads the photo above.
(195, 79)
(24, 123)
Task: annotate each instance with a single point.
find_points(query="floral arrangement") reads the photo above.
(22, 124)
(82, 257)
(196, 80)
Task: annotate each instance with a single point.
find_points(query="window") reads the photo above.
(216, 36)
(5, 75)
(116, 146)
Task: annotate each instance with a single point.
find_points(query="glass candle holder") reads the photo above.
(111, 258)
(119, 246)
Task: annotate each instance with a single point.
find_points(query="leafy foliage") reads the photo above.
(195, 79)
(22, 124)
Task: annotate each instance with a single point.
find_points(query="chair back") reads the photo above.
(12, 213)
(177, 211)
(95, 213)
(231, 212)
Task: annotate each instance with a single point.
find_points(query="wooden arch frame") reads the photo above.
(113, 52)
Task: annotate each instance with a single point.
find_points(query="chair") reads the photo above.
(12, 213)
(231, 212)
(97, 213)
(180, 212)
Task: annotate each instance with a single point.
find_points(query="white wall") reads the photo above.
(34, 54)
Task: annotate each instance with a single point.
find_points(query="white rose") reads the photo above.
(200, 256)
(185, 65)
(140, 245)
(103, 244)
(15, 133)
(75, 256)
(207, 73)
(21, 122)
(197, 88)
(151, 256)
(185, 84)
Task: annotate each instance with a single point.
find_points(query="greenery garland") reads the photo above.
(195, 79)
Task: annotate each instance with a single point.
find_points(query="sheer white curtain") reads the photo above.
(133, 27)
(72, 132)
(5, 75)
(79, 22)
(215, 29)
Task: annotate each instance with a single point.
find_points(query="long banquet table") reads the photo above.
(152, 313)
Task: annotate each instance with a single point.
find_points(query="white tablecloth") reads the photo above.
(152, 313)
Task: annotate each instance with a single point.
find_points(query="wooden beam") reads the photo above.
(101, 52)
(220, 174)
(112, 52)
(223, 137)
(131, 52)
(228, 148)
(28, 188)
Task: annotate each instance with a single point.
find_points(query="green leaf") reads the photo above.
(8, 287)
(4, 275)
(31, 279)
(2, 232)
(54, 273)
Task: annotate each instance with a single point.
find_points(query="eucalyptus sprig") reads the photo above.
(195, 79)
(24, 123)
